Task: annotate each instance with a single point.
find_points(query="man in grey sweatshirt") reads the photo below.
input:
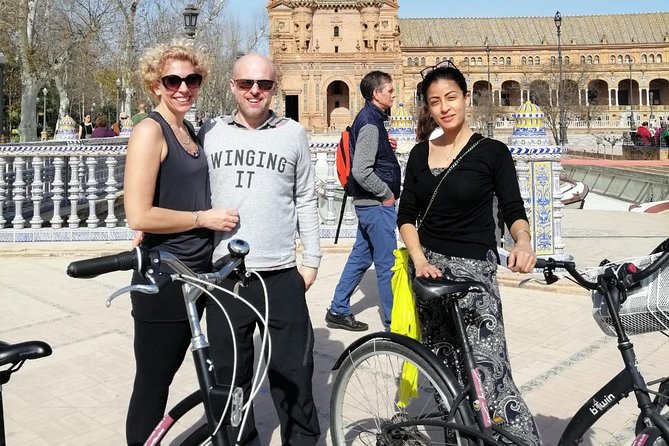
(260, 165)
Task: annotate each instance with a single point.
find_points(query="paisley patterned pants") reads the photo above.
(482, 314)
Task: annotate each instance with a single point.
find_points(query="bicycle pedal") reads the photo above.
(237, 407)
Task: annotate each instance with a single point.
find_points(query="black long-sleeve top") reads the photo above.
(460, 222)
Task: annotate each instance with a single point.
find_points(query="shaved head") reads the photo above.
(253, 60)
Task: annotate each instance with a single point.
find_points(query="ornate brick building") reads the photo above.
(611, 63)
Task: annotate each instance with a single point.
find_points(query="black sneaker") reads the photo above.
(347, 322)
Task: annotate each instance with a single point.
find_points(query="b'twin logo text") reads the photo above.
(597, 406)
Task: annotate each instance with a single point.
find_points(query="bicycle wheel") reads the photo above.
(661, 403)
(366, 399)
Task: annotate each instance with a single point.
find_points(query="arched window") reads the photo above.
(620, 59)
(566, 60)
(437, 60)
(409, 61)
(523, 60)
(612, 60)
(582, 60)
(596, 60)
(451, 60)
(537, 61)
(644, 59)
(530, 60)
(479, 61)
(552, 60)
(501, 61)
(422, 61)
(508, 60)
(336, 31)
(651, 58)
(589, 60)
(415, 61)
(658, 58)
(494, 61)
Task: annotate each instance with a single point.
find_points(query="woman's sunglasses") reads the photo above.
(445, 64)
(247, 84)
(173, 82)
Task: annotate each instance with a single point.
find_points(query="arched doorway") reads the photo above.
(337, 97)
(511, 94)
(598, 92)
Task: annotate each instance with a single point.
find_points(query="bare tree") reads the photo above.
(545, 92)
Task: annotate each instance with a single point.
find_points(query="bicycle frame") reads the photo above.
(627, 381)
(211, 392)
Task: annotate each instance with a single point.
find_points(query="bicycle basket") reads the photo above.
(647, 306)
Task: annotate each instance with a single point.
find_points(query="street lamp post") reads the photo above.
(3, 61)
(44, 132)
(490, 101)
(118, 96)
(632, 123)
(561, 112)
(190, 26)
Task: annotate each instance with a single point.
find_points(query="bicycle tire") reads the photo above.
(661, 405)
(368, 379)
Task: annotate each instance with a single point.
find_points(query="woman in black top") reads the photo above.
(456, 234)
(167, 198)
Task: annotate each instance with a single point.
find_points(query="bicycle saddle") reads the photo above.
(13, 353)
(429, 289)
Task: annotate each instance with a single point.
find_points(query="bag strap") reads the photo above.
(451, 167)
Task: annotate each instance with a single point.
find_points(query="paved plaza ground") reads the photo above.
(78, 396)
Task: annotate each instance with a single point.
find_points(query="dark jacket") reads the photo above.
(386, 166)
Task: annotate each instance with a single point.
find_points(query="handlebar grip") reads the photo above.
(89, 268)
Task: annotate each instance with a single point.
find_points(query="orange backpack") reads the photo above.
(343, 157)
(343, 165)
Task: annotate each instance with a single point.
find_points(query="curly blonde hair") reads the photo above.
(155, 59)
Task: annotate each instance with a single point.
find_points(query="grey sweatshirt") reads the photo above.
(266, 174)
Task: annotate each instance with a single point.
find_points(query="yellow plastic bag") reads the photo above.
(404, 321)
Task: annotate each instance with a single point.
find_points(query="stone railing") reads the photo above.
(70, 191)
(60, 190)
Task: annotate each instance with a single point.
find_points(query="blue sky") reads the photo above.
(491, 8)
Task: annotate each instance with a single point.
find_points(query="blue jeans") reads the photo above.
(375, 242)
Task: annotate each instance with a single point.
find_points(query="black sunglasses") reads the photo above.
(445, 64)
(247, 84)
(172, 82)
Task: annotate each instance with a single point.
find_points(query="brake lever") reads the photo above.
(141, 288)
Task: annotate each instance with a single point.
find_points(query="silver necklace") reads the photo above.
(188, 145)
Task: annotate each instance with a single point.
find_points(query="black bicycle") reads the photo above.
(391, 390)
(223, 405)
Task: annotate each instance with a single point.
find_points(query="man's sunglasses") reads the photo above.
(445, 64)
(173, 82)
(247, 84)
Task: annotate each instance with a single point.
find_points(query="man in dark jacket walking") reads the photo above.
(374, 186)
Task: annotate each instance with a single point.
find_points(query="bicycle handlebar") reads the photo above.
(628, 274)
(139, 259)
(89, 268)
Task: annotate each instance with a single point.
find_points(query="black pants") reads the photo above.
(160, 348)
(292, 364)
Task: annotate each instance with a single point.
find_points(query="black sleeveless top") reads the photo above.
(182, 184)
